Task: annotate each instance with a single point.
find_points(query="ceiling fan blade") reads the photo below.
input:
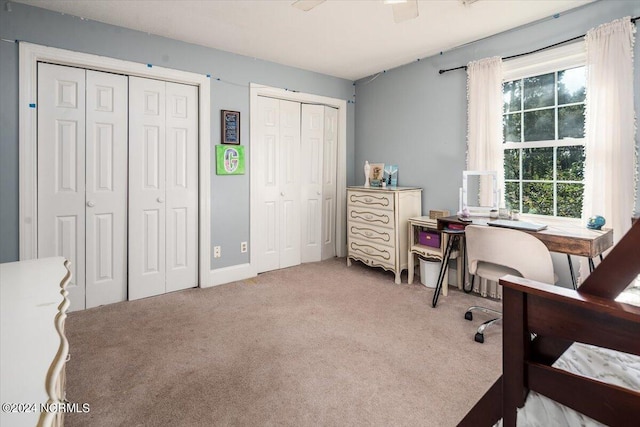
(306, 5)
(405, 11)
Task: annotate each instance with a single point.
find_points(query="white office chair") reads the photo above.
(493, 252)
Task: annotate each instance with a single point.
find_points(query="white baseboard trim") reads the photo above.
(224, 275)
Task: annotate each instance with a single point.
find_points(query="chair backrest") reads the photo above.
(510, 248)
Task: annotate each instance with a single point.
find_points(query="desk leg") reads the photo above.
(411, 268)
(573, 274)
(443, 269)
(462, 278)
(445, 282)
(591, 265)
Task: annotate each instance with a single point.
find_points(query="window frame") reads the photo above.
(554, 60)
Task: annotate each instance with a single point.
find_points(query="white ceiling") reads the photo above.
(343, 38)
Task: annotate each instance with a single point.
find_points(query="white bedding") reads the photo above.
(605, 365)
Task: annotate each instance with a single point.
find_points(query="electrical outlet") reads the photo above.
(243, 247)
(216, 251)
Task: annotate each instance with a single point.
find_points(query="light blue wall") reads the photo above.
(229, 194)
(415, 117)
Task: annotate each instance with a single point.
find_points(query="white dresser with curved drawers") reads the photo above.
(377, 221)
(33, 348)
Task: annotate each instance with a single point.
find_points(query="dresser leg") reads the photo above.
(410, 271)
(348, 262)
(398, 276)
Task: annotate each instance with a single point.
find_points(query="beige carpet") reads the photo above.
(317, 344)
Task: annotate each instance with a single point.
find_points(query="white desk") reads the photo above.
(415, 248)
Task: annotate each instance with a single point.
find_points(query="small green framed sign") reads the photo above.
(229, 160)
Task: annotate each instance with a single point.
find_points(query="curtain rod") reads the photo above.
(464, 67)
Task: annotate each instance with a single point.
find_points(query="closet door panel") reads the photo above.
(147, 234)
(312, 150)
(289, 171)
(266, 153)
(61, 171)
(181, 186)
(329, 189)
(106, 188)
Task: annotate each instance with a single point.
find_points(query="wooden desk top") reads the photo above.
(565, 239)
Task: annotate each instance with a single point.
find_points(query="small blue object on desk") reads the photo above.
(596, 222)
(518, 225)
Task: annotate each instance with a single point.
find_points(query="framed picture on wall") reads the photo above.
(230, 125)
(229, 160)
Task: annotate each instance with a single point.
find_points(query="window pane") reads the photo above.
(511, 164)
(539, 91)
(537, 198)
(571, 121)
(570, 163)
(512, 195)
(539, 125)
(511, 127)
(570, 200)
(512, 96)
(571, 86)
(537, 163)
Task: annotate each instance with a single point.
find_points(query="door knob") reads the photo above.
(90, 204)
(160, 200)
(282, 194)
(319, 193)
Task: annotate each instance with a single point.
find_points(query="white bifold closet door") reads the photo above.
(82, 183)
(163, 187)
(278, 182)
(319, 133)
(295, 151)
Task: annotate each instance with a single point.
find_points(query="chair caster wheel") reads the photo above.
(479, 338)
(468, 315)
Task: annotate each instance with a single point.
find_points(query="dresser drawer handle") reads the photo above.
(368, 216)
(368, 233)
(368, 199)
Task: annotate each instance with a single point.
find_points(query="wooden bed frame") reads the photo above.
(558, 317)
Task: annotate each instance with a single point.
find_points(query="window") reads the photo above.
(543, 131)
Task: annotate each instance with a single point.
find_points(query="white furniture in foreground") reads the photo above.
(424, 223)
(34, 349)
(377, 221)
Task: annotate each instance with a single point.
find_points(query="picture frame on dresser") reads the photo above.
(376, 174)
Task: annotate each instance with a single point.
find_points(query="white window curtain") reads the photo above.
(610, 163)
(484, 136)
(484, 122)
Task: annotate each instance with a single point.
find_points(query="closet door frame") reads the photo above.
(29, 56)
(257, 90)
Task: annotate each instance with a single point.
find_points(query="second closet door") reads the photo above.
(163, 189)
(278, 175)
(318, 196)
